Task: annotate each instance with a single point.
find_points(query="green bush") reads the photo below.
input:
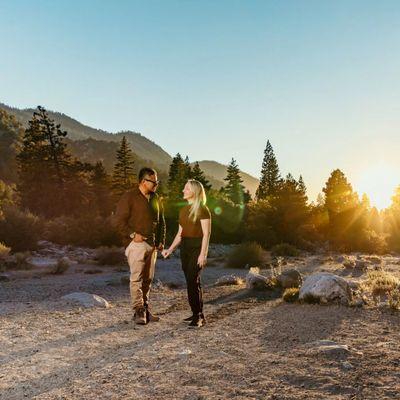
(87, 230)
(285, 249)
(246, 254)
(20, 230)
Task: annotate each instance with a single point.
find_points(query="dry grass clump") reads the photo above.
(4, 250)
(380, 284)
(291, 295)
(285, 249)
(245, 255)
(61, 267)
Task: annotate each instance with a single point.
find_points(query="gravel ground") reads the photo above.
(254, 346)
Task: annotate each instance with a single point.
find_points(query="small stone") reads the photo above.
(86, 300)
(347, 365)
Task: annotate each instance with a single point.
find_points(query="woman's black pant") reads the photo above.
(190, 251)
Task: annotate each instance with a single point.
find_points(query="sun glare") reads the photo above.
(379, 183)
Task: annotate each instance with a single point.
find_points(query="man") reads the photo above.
(139, 218)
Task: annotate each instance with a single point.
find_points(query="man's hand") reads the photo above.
(139, 238)
(202, 261)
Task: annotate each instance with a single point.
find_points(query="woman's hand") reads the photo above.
(202, 261)
(166, 252)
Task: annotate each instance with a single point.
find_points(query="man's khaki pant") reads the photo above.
(142, 260)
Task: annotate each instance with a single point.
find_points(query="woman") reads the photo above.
(194, 236)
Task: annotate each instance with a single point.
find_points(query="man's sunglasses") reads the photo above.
(153, 182)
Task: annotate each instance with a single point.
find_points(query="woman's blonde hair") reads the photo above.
(199, 199)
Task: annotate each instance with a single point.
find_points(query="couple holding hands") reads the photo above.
(139, 218)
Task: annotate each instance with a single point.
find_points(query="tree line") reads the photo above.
(72, 201)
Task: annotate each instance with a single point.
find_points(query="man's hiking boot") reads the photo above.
(151, 317)
(140, 317)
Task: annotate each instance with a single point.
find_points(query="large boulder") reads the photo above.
(254, 280)
(290, 278)
(86, 300)
(325, 287)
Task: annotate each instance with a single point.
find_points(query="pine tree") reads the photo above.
(178, 174)
(11, 132)
(347, 221)
(339, 195)
(100, 185)
(270, 177)
(123, 175)
(234, 189)
(188, 169)
(45, 167)
(289, 210)
(198, 174)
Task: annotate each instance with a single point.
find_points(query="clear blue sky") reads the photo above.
(216, 79)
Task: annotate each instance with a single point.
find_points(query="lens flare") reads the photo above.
(379, 183)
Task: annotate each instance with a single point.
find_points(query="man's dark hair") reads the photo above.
(146, 172)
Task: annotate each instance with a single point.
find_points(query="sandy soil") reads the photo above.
(254, 346)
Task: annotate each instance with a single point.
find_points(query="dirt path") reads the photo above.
(253, 347)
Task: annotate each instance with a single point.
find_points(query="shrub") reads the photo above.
(20, 230)
(371, 242)
(380, 283)
(61, 266)
(394, 299)
(246, 254)
(87, 230)
(18, 261)
(4, 251)
(110, 256)
(291, 295)
(285, 249)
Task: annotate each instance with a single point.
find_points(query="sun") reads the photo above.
(379, 183)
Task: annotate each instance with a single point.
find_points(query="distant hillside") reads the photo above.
(217, 173)
(91, 145)
(142, 146)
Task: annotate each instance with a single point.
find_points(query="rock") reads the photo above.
(375, 260)
(157, 284)
(354, 285)
(42, 262)
(382, 304)
(347, 366)
(329, 348)
(290, 278)
(44, 244)
(361, 265)
(340, 259)
(325, 287)
(68, 261)
(86, 300)
(4, 278)
(349, 264)
(254, 280)
(357, 303)
(229, 280)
